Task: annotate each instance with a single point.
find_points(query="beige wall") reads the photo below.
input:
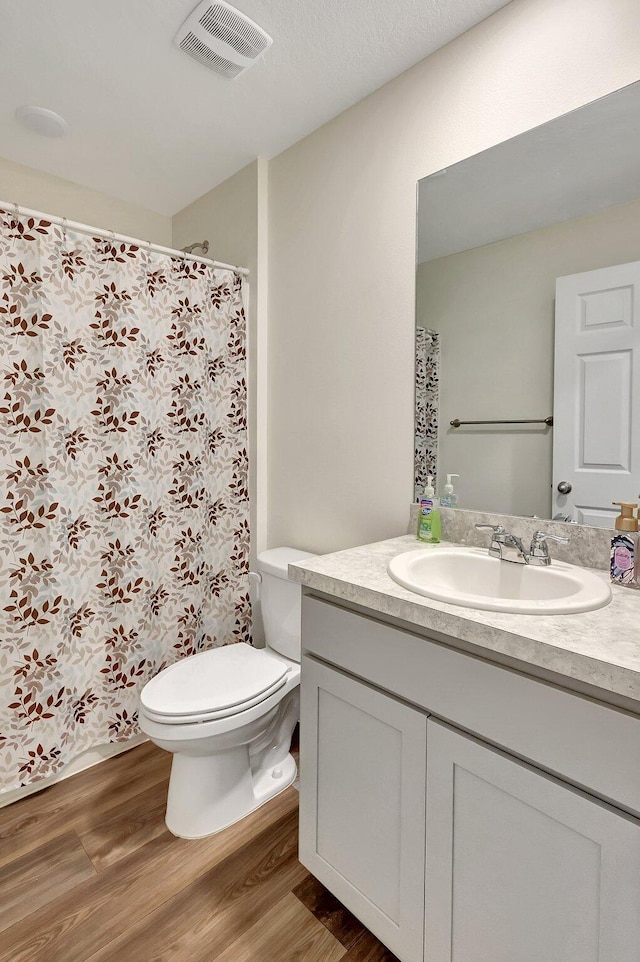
(227, 217)
(494, 310)
(232, 218)
(342, 252)
(53, 195)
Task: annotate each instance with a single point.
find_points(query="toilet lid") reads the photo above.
(214, 681)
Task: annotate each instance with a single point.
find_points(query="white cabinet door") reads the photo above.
(520, 867)
(362, 803)
(596, 437)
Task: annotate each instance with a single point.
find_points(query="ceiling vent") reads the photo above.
(223, 39)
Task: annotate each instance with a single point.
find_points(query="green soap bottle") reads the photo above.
(429, 516)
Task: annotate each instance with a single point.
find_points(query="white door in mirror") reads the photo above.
(596, 413)
(470, 578)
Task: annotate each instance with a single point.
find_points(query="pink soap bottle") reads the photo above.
(624, 563)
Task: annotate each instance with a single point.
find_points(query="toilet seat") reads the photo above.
(213, 684)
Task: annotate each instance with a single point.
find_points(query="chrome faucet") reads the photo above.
(504, 545)
(508, 547)
(539, 550)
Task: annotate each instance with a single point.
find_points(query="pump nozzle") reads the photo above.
(449, 486)
(626, 520)
(429, 491)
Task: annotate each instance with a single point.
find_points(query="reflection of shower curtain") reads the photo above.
(123, 483)
(426, 413)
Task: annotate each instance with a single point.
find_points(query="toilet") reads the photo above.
(228, 714)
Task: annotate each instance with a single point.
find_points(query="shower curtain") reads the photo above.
(427, 401)
(124, 528)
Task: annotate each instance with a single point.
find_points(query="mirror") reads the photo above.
(527, 309)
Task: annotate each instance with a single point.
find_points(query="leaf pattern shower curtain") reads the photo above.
(427, 409)
(124, 527)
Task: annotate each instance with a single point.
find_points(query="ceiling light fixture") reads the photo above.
(41, 121)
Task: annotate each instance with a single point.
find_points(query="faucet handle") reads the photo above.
(498, 538)
(539, 551)
(540, 537)
(496, 528)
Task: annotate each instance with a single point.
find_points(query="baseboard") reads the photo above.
(92, 756)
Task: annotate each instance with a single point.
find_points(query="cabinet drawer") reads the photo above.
(592, 745)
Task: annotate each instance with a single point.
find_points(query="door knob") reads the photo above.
(564, 487)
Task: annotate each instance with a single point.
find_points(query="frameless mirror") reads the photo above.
(528, 319)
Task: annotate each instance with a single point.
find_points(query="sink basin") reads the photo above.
(469, 577)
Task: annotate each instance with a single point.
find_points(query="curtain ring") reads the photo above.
(64, 230)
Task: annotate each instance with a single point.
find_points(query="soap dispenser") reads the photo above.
(429, 515)
(449, 498)
(624, 547)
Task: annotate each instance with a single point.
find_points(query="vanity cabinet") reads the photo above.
(362, 822)
(436, 804)
(521, 866)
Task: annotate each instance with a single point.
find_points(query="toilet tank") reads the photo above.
(280, 600)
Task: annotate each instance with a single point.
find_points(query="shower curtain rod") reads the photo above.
(111, 235)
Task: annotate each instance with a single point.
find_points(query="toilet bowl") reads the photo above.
(228, 714)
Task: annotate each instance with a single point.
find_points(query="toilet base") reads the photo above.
(207, 795)
(226, 768)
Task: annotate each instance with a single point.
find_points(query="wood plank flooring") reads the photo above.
(89, 873)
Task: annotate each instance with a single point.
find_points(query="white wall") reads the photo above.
(53, 195)
(493, 307)
(342, 252)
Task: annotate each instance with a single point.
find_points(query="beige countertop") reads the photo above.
(599, 648)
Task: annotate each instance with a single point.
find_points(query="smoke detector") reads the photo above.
(223, 39)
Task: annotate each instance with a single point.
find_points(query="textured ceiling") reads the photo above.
(151, 126)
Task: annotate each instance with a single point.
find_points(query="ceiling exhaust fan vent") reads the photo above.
(204, 54)
(223, 39)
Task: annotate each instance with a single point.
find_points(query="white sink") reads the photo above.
(469, 577)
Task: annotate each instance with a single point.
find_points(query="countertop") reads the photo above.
(599, 648)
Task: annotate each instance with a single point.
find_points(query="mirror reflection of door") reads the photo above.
(495, 232)
(596, 411)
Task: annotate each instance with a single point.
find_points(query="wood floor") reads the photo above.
(89, 873)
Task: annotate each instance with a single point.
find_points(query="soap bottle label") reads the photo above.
(428, 522)
(623, 560)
